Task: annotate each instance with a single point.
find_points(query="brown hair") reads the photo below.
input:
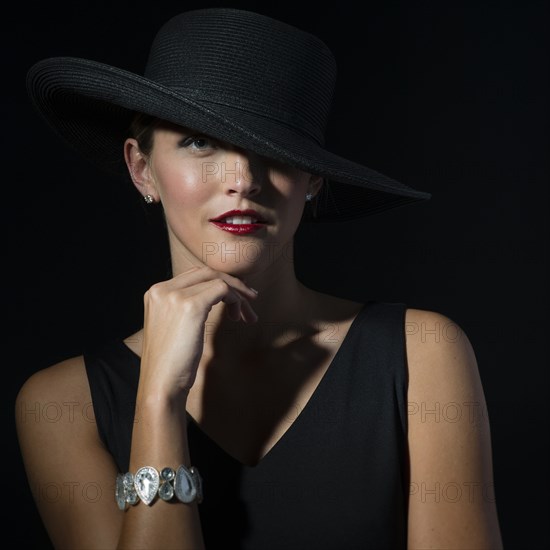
(141, 129)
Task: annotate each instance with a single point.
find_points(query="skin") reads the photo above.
(191, 360)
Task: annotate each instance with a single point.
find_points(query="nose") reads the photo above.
(241, 173)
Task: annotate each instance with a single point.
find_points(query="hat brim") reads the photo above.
(91, 105)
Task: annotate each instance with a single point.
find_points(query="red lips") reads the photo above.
(232, 221)
(248, 212)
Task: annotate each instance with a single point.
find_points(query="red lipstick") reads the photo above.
(240, 222)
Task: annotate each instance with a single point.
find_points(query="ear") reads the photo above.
(139, 168)
(315, 184)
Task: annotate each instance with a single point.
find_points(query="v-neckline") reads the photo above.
(299, 418)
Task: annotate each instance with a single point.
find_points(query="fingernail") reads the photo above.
(253, 290)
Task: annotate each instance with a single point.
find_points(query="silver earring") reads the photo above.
(309, 196)
(149, 199)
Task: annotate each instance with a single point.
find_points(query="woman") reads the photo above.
(249, 411)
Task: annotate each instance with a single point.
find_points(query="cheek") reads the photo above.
(292, 185)
(181, 186)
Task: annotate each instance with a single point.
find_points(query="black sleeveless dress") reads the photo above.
(337, 479)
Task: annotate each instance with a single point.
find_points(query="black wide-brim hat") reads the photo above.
(238, 76)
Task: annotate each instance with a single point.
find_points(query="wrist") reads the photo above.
(159, 435)
(161, 401)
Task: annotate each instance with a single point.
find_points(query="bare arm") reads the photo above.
(68, 452)
(72, 475)
(175, 316)
(69, 471)
(159, 440)
(452, 496)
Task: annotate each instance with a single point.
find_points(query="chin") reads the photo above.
(243, 257)
(243, 269)
(239, 269)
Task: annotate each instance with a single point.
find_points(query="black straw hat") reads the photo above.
(235, 75)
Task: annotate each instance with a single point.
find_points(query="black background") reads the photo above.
(449, 97)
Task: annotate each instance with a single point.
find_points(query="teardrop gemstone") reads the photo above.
(184, 485)
(146, 482)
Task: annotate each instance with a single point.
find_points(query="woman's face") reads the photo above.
(199, 180)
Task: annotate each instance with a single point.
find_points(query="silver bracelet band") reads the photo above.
(147, 483)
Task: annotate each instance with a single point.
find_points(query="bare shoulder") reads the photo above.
(452, 500)
(52, 390)
(440, 355)
(54, 406)
(445, 395)
(68, 468)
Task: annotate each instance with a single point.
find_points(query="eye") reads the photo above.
(198, 143)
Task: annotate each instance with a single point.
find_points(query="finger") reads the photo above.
(238, 307)
(214, 291)
(238, 284)
(201, 274)
(234, 310)
(191, 269)
(248, 314)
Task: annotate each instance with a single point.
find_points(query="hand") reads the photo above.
(174, 324)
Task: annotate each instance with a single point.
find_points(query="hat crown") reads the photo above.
(248, 62)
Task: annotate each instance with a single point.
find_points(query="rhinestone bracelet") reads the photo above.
(184, 483)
